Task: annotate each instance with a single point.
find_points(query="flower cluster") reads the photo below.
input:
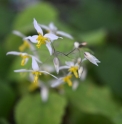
(73, 69)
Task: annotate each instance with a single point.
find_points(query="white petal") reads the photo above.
(37, 27)
(61, 33)
(75, 85)
(49, 74)
(69, 63)
(57, 82)
(91, 58)
(35, 66)
(36, 59)
(51, 36)
(52, 27)
(32, 38)
(44, 93)
(13, 53)
(56, 64)
(44, 27)
(63, 67)
(26, 60)
(18, 33)
(49, 47)
(83, 75)
(76, 45)
(48, 68)
(80, 71)
(22, 70)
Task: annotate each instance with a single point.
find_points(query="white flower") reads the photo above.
(56, 64)
(73, 68)
(42, 39)
(36, 71)
(26, 43)
(91, 58)
(53, 29)
(24, 57)
(61, 80)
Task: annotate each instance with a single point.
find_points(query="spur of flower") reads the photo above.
(35, 71)
(91, 58)
(53, 29)
(24, 56)
(72, 68)
(41, 38)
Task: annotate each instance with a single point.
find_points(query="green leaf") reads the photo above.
(110, 69)
(7, 98)
(118, 118)
(43, 13)
(92, 99)
(4, 63)
(3, 121)
(95, 37)
(31, 110)
(78, 117)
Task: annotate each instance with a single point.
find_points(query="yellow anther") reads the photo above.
(74, 70)
(24, 46)
(41, 40)
(24, 57)
(36, 76)
(68, 79)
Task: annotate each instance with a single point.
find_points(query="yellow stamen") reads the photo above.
(74, 70)
(24, 46)
(41, 40)
(68, 79)
(36, 74)
(24, 57)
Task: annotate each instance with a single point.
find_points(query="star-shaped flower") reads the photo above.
(73, 68)
(35, 71)
(24, 56)
(41, 39)
(61, 80)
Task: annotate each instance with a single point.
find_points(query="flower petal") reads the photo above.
(49, 74)
(91, 58)
(57, 82)
(44, 93)
(56, 64)
(37, 27)
(49, 47)
(22, 70)
(52, 27)
(36, 59)
(44, 27)
(35, 66)
(75, 85)
(51, 36)
(61, 33)
(32, 38)
(76, 45)
(80, 71)
(18, 34)
(63, 67)
(13, 53)
(69, 63)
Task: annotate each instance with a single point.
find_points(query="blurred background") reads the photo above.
(98, 99)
